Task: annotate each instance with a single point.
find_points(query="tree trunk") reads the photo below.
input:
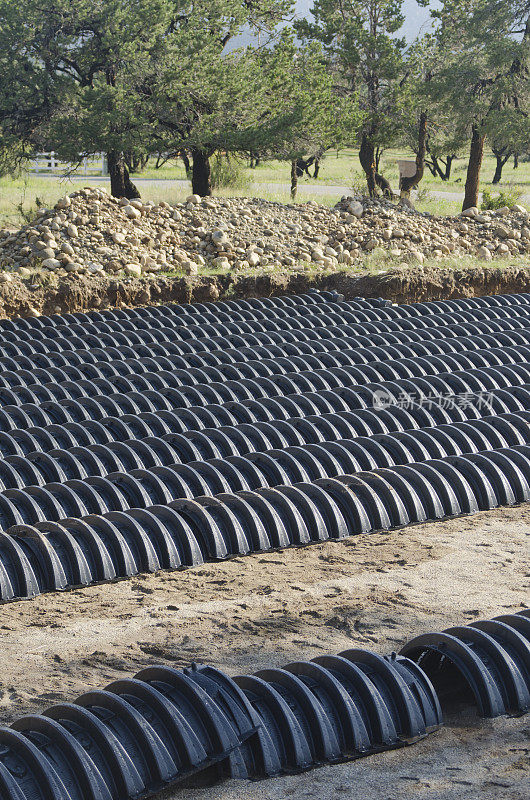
(367, 159)
(501, 159)
(516, 160)
(476, 154)
(294, 179)
(186, 162)
(120, 183)
(407, 184)
(317, 168)
(378, 154)
(201, 174)
(448, 167)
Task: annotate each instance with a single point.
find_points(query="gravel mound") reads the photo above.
(89, 232)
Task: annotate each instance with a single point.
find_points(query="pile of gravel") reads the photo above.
(89, 232)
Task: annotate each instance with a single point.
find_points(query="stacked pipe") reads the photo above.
(99, 479)
(296, 326)
(143, 734)
(142, 439)
(204, 526)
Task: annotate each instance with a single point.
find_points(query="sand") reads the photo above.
(373, 591)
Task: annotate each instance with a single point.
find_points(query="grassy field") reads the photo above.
(270, 180)
(343, 168)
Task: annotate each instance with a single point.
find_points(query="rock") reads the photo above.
(485, 254)
(503, 249)
(194, 199)
(246, 233)
(416, 257)
(356, 209)
(189, 268)
(51, 263)
(470, 212)
(219, 238)
(501, 232)
(517, 209)
(131, 212)
(134, 270)
(64, 202)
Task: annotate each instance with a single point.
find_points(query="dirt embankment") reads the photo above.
(22, 298)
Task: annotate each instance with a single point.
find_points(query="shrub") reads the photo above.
(493, 202)
(228, 173)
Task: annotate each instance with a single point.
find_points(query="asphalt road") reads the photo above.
(270, 188)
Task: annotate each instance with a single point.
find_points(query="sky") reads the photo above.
(416, 17)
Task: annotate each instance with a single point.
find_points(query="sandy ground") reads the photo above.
(372, 591)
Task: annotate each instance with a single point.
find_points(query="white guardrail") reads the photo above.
(49, 162)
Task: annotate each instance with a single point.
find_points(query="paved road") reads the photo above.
(270, 188)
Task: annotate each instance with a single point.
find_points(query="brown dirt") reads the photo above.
(372, 591)
(79, 293)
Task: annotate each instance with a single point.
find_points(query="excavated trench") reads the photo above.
(80, 293)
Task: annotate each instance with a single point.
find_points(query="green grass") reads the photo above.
(21, 196)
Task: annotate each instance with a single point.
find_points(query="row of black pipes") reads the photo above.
(171, 436)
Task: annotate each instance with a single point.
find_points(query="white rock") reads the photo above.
(64, 202)
(131, 212)
(72, 231)
(194, 199)
(137, 204)
(134, 270)
(470, 212)
(118, 237)
(517, 209)
(67, 248)
(253, 259)
(190, 268)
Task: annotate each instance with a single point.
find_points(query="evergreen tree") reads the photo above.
(367, 58)
(480, 79)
